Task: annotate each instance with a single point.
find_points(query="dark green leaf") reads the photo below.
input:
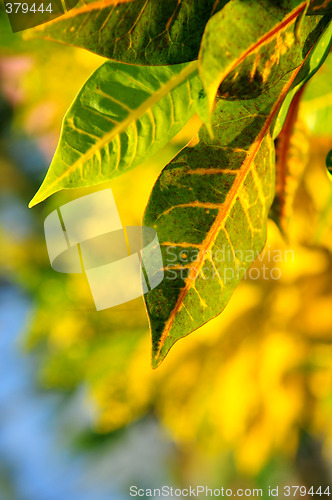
(139, 31)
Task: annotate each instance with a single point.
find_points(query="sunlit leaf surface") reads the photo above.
(267, 45)
(246, 400)
(122, 115)
(217, 206)
(137, 31)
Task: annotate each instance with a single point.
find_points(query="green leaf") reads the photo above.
(217, 195)
(122, 116)
(266, 35)
(148, 32)
(314, 61)
(209, 208)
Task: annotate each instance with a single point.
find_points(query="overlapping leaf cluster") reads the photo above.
(271, 344)
(238, 64)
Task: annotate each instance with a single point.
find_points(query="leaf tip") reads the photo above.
(155, 363)
(32, 202)
(40, 196)
(157, 359)
(159, 353)
(210, 129)
(35, 200)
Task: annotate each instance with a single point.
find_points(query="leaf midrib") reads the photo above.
(225, 210)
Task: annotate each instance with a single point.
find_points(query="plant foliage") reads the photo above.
(238, 64)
